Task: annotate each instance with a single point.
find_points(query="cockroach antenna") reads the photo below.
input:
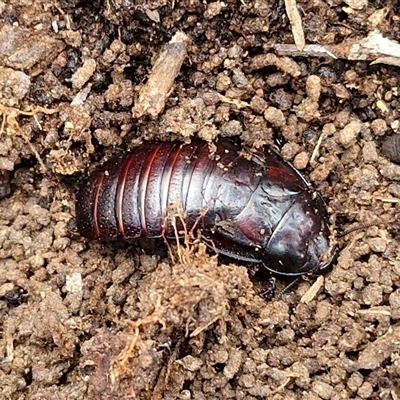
(357, 228)
(288, 287)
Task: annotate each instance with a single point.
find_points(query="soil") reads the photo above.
(93, 320)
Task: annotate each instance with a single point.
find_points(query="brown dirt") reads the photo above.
(82, 320)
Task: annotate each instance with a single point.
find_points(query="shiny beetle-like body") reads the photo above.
(256, 209)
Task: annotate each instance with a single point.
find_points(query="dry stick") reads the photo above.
(154, 93)
(313, 290)
(375, 47)
(295, 21)
(317, 147)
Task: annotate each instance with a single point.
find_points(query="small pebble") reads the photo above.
(347, 136)
(301, 160)
(379, 127)
(275, 116)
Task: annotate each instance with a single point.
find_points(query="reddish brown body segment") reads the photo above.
(258, 210)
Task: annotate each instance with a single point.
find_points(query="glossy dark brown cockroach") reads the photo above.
(257, 210)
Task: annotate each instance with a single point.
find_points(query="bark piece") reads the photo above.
(154, 93)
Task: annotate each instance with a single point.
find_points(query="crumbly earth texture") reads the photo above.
(91, 320)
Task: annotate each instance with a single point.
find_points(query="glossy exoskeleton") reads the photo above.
(256, 209)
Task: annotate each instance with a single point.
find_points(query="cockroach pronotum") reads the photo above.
(257, 209)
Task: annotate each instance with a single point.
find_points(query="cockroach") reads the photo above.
(257, 209)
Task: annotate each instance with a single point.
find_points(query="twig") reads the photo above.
(295, 21)
(317, 147)
(238, 103)
(314, 289)
(374, 47)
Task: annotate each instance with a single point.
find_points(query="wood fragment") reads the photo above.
(375, 47)
(388, 200)
(154, 94)
(309, 50)
(378, 310)
(295, 21)
(238, 103)
(395, 61)
(314, 289)
(317, 147)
